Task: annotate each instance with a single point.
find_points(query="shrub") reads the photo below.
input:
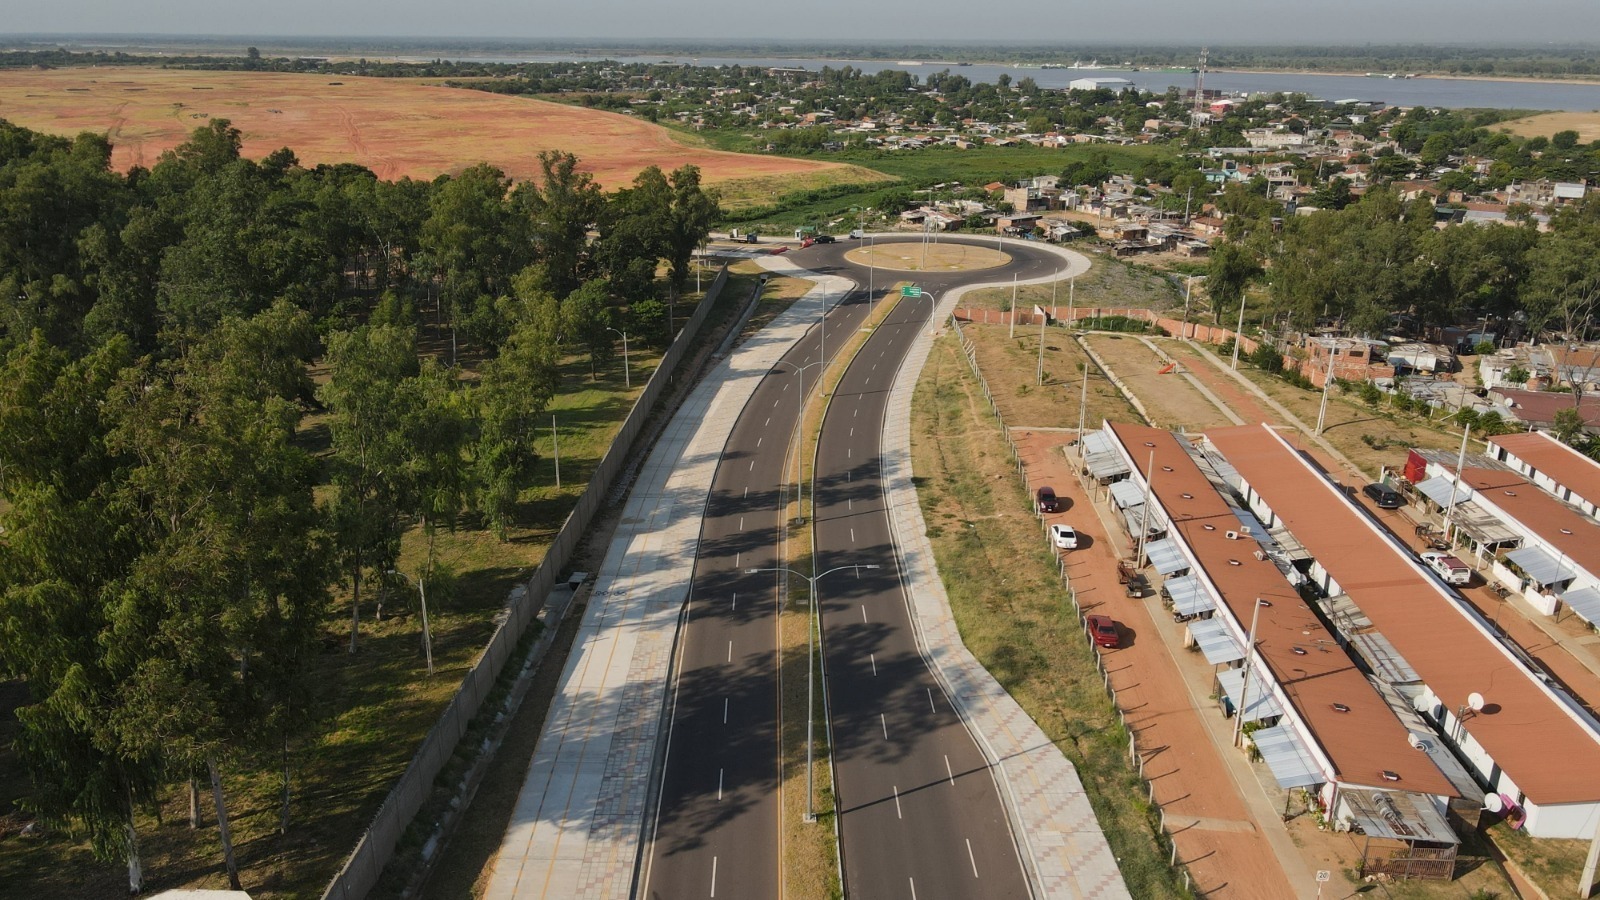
(1267, 358)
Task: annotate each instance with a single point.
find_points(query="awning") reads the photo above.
(1543, 568)
(1189, 597)
(1585, 602)
(1127, 494)
(1260, 705)
(1482, 527)
(1398, 815)
(1438, 488)
(1101, 456)
(1286, 755)
(1383, 658)
(1214, 641)
(1166, 557)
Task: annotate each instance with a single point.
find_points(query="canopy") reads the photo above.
(1127, 494)
(1101, 456)
(1214, 641)
(1543, 568)
(1398, 816)
(1166, 557)
(1286, 755)
(1585, 602)
(1261, 705)
(1438, 488)
(1189, 597)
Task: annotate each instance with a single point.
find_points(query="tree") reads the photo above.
(587, 317)
(366, 366)
(1229, 270)
(561, 211)
(1567, 426)
(694, 210)
(509, 401)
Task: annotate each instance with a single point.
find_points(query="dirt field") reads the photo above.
(1586, 124)
(1169, 398)
(394, 126)
(913, 257)
(1010, 365)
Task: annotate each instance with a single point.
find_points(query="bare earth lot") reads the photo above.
(1586, 124)
(394, 126)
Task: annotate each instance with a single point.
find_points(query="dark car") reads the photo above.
(1047, 501)
(1384, 496)
(1103, 631)
(826, 239)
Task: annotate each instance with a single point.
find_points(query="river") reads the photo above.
(1454, 93)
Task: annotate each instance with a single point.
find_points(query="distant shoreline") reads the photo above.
(1529, 79)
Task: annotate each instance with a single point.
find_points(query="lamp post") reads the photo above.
(427, 634)
(1238, 334)
(627, 371)
(811, 665)
(1249, 664)
(1327, 383)
(799, 483)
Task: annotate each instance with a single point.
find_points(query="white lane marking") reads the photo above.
(863, 612)
(747, 492)
(849, 503)
(786, 387)
(714, 880)
(972, 859)
(897, 813)
(847, 454)
(930, 700)
(767, 422)
(856, 413)
(912, 880)
(852, 432)
(724, 710)
(736, 559)
(752, 464)
(741, 523)
(719, 785)
(730, 651)
(874, 658)
(735, 601)
(774, 404)
(852, 535)
(759, 440)
(948, 773)
(885, 723)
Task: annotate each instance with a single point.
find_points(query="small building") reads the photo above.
(1095, 84)
(1016, 223)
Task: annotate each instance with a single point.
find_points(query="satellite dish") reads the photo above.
(1475, 701)
(1493, 803)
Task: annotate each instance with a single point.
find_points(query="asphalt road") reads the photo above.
(717, 830)
(918, 804)
(920, 812)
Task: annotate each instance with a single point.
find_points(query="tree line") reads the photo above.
(169, 548)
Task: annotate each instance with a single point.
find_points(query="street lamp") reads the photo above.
(427, 635)
(811, 666)
(1249, 665)
(627, 373)
(799, 483)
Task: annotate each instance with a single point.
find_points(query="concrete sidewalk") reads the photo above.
(579, 819)
(1051, 816)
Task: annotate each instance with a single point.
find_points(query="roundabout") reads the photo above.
(936, 256)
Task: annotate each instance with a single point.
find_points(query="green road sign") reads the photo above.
(911, 290)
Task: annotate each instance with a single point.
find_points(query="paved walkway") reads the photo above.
(1050, 812)
(579, 819)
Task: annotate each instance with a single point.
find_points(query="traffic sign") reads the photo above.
(911, 290)
(1324, 875)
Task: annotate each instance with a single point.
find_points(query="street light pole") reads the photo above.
(811, 668)
(1238, 334)
(1327, 384)
(627, 372)
(799, 483)
(555, 446)
(1249, 663)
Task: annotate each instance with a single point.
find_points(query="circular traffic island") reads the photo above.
(915, 256)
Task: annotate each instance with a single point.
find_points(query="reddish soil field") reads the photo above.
(396, 127)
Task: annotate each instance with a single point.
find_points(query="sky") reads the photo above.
(1071, 22)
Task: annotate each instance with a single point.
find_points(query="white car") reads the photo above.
(1064, 536)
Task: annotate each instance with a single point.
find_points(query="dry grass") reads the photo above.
(1108, 283)
(1586, 124)
(914, 256)
(394, 126)
(1010, 365)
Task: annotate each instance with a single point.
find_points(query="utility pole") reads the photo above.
(1188, 292)
(1013, 306)
(627, 371)
(1238, 335)
(1144, 520)
(1327, 384)
(1039, 376)
(1249, 663)
(1455, 485)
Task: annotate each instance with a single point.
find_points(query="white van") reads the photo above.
(1452, 570)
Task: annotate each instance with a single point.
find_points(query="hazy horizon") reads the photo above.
(1159, 22)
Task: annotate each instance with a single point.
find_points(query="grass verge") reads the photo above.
(1011, 611)
(1109, 283)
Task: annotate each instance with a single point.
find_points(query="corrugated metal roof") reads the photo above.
(1398, 815)
(1127, 494)
(1166, 557)
(1384, 659)
(1585, 602)
(1286, 755)
(1543, 568)
(1189, 597)
(1213, 639)
(1259, 705)
(1438, 488)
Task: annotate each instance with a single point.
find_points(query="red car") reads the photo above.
(1045, 499)
(1103, 631)
(776, 250)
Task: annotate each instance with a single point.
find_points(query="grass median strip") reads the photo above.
(1012, 612)
(810, 850)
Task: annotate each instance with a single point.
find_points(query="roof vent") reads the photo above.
(1149, 443)
(1189, 496)
(1340, 707)
(1389, 775)
(1511, 493)
(1166, 468)
(1234, 562)
(1231, 535)
(1209, 527)
(1298, 651)
(1566, 531)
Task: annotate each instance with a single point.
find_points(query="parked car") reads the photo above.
(1046, 501)
(856, 234)
(1103, 631)
(1064, 536)
(1451, 569)
(826, 239)
(1384, 496)
(807, 242)
(779, 249)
